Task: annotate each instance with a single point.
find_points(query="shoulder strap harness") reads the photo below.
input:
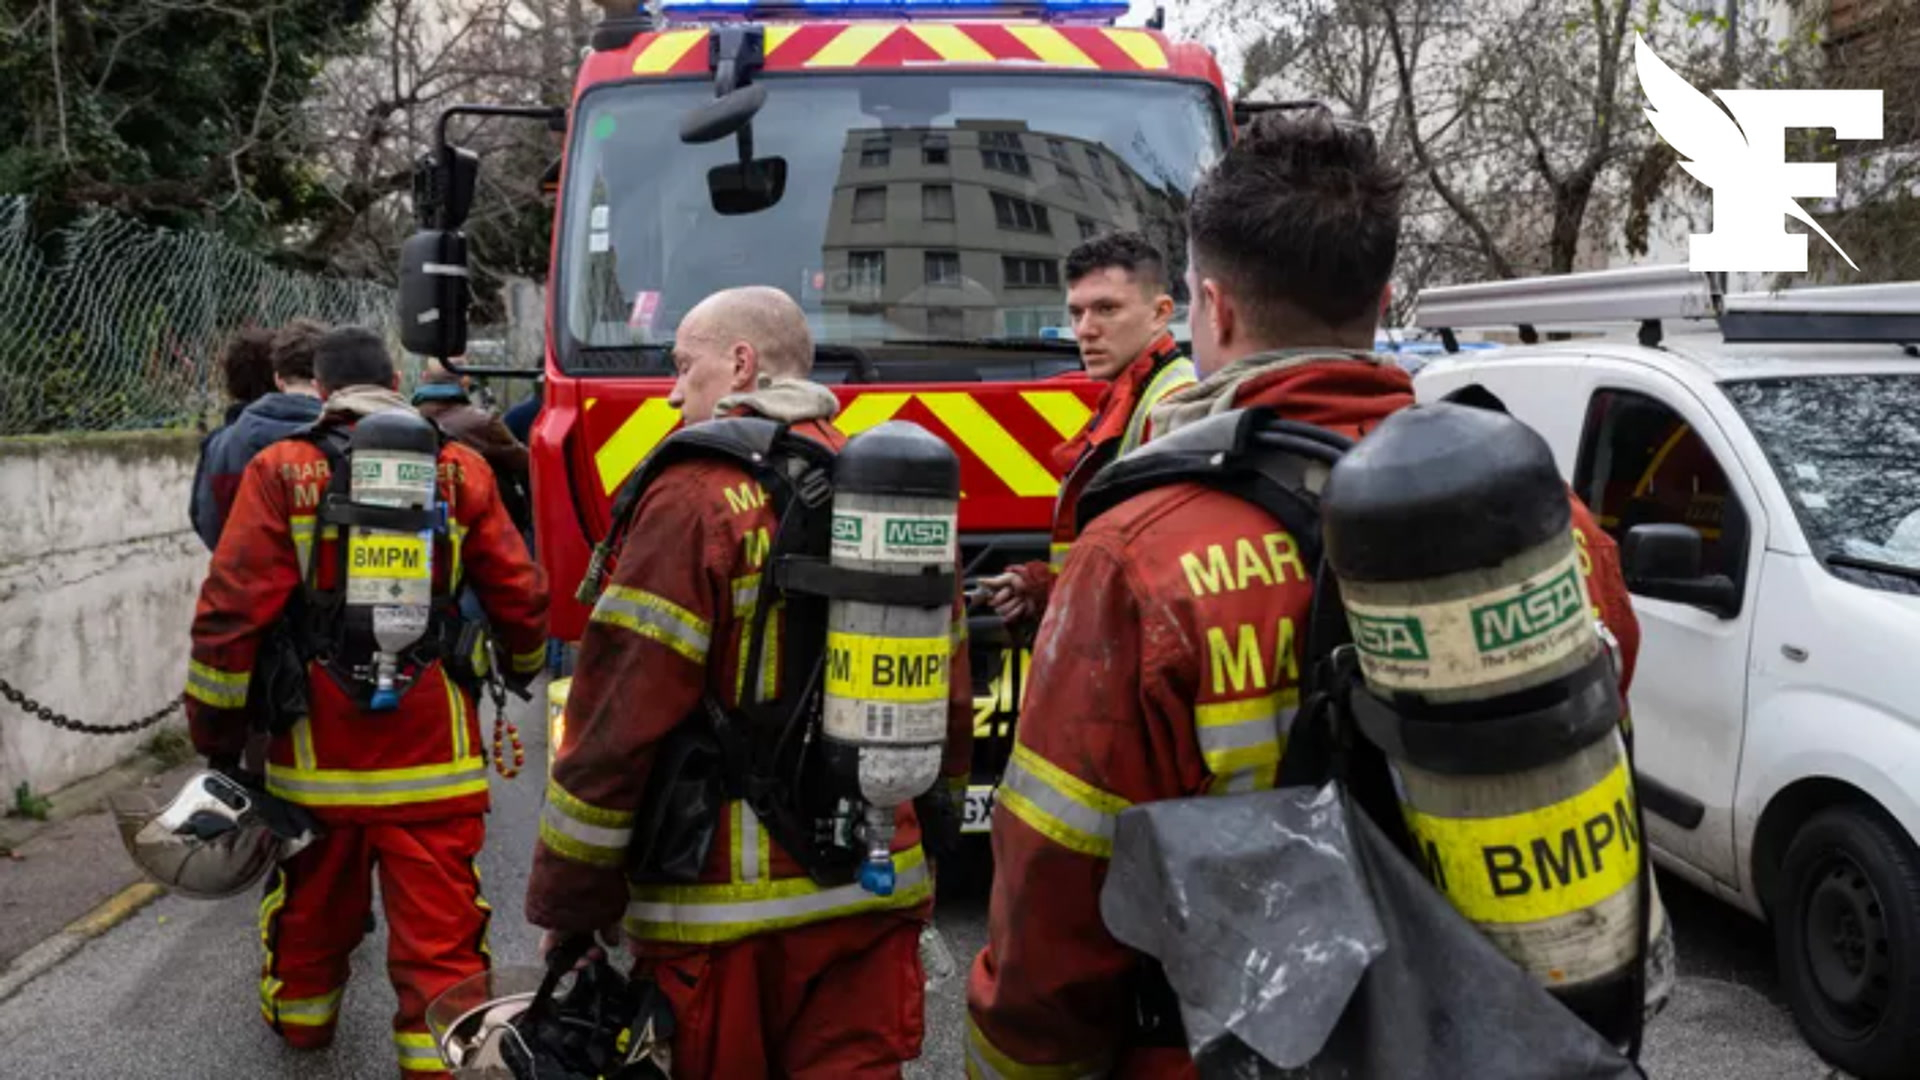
(763, 743)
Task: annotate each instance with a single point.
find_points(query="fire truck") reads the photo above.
(913, 172)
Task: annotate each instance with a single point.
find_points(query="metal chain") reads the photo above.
(67, 723)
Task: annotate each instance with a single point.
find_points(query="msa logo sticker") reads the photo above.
(410, 473)
(1527, 616)
(1387, 638)
(916, 532)
(1743, 158)
(846, 529)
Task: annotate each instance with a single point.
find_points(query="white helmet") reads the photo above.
(214, 839)
(553, 1023)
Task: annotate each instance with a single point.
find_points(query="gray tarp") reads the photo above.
(1301, 944)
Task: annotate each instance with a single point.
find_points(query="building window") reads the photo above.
(875, 153)
(1058, 148)
(867, 270)
(1020, 215)
(1002, 161)
(1024, 273)
(946, 322)
(936, 202)
(870, 204)
(1002, 151)
(1032, 322)
(933, 150)
(943, 268)
(1089, 228)
(1097, 163)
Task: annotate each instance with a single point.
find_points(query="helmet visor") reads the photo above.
(207, 868)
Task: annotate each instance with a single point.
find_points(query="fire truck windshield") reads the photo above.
(916, 206)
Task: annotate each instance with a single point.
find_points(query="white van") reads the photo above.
(1758, 461)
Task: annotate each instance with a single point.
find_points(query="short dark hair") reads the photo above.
(293, 348)
(352, 356)
(247, 365)
(1129, 251)
(1302, 211)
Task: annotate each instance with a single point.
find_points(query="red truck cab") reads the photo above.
(913, 172)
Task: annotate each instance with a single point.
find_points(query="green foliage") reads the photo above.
(170, 747)
(181, 113)
(28, 804)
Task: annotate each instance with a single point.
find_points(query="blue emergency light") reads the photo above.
(799, 10)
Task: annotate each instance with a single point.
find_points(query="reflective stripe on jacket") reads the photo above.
(670, 628)
(420, 761)
(1170, 668)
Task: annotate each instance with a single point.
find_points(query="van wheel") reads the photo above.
(1847, 935)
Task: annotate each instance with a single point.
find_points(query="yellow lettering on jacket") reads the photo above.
(747, 496)
(1269, 563)
(754, 547)
(306, 496)
(1234, 659)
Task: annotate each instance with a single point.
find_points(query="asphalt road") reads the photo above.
(171, 993)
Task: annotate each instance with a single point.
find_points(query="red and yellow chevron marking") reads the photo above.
(809, 46)
(1003, 440)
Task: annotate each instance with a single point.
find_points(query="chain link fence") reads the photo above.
(112, 324)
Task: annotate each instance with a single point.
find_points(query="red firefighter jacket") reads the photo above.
(670, 628)
(1119, 423)
(418, 762)
(1168, 666)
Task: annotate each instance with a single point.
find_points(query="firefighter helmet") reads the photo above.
(564, 1022)
(214, 838)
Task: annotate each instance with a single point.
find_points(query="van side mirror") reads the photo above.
(1663, 562)
(433, 293)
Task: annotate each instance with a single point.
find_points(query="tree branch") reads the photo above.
(1420, 152)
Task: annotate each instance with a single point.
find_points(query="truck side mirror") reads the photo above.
(434, 294)
(1663, 562)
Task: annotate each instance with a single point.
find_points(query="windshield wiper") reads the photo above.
(1854, 562)
(1003, 344)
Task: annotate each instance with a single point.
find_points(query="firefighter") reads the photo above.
(1170, 662)
(1118, 295)
(767, 972)
(400, 792)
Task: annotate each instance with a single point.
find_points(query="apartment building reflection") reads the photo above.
(962, 231)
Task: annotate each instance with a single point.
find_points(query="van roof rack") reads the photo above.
(1649, 295)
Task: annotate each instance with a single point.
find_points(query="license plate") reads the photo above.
(979, 811)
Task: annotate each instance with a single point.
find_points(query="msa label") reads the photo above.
(1476, 640)
(1522, 868)
(894, 537)
(887, 669)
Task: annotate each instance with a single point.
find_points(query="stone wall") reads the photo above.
(99, 569)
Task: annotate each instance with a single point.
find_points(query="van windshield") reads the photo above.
(1847, 451)
(917, 206)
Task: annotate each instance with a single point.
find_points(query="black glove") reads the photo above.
(939, 814)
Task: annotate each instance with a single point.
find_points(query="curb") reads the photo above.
(48, 955)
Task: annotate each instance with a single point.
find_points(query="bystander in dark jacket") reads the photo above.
(270, 418)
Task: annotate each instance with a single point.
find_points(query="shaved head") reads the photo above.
(733, 340)
(763, 317)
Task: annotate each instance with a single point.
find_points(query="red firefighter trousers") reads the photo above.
(837, 999)
(316, 913)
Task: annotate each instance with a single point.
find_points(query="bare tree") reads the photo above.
(1520, 121)
(380, 109)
